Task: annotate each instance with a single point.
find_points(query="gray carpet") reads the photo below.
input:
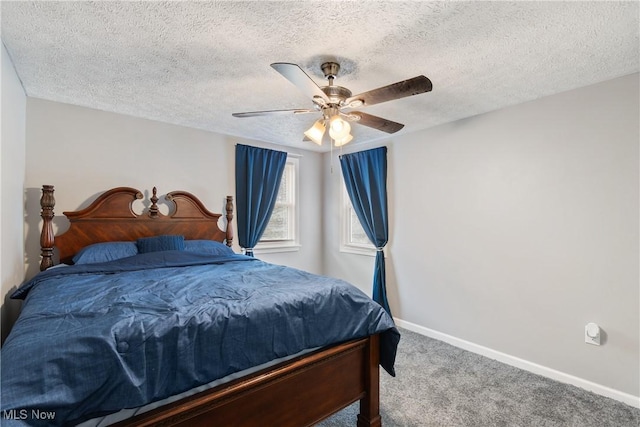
(440, 385)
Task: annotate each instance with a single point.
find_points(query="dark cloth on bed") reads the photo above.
(93, 339)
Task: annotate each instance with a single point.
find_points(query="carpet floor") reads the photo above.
(440, 385)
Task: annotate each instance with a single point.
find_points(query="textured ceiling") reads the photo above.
(195, 63)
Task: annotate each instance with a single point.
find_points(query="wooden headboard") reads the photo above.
(111, 218)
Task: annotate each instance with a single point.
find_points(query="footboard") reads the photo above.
(297, 393)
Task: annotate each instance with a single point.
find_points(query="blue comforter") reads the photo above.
(94, 339)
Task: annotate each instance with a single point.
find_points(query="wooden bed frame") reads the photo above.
(296, 393)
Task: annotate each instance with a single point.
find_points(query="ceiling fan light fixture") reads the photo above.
(316, 132)
(330, 100)
(338, 128)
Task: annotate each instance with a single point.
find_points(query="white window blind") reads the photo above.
(281, 232)
(354, 239)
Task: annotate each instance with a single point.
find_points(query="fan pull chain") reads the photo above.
(331, 154)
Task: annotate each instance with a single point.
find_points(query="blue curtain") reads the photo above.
(365, 176)
(258, 175)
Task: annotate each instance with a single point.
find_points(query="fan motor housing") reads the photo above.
(336, 94)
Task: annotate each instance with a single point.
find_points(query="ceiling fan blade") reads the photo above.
(374, 122)
(273, 112)
(414, 86)
(298, 77)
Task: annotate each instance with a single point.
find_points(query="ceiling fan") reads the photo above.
(332, 100)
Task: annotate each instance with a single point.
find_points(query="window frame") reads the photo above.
(292, 244)
(346, 243)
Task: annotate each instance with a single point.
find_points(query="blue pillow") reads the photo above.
(103, 252)
(210, 247)
(160, 243)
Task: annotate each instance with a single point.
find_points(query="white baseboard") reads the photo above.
(626, 398)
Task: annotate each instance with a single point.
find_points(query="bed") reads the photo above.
(197, 337)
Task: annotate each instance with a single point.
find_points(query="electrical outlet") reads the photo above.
(592, 334)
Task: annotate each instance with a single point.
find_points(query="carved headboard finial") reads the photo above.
(229, 230)
(153, 210)
(47, 202)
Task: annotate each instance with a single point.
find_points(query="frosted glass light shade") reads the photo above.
(338, 128)
(316, 132)
(343, 141)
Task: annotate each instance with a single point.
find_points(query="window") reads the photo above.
(354, 239)
(282, 232)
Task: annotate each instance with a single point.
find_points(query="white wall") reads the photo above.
(514, 229)
(12, 170)
(83, 152)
